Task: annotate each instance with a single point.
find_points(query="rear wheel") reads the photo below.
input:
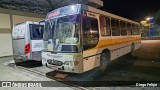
(17, 62)
(132, 50)
(104, 61)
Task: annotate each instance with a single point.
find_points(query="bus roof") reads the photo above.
(98, 11)
(26, 22)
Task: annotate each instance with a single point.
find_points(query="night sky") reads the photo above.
(132, 9)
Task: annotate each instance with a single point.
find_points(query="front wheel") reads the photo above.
(104, 61)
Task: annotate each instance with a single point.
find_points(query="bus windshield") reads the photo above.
(63, 33)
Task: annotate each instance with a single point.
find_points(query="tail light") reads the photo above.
(27, 48)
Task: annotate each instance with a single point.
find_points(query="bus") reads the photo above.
(78, 38)
(27, 41)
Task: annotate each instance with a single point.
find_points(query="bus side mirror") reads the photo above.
(41, 22)
(41, 26)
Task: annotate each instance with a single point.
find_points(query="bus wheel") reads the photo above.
(132, 49)
(104, 61)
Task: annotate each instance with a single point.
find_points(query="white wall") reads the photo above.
(5, 45)
(7, 20)
(5, 38)
(18, 19)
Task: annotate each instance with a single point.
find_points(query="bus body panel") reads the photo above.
(117, 45)
(36, 48)
(19, 40)
(69, 61)
(91, 57)
(19, 46)
(24, 48)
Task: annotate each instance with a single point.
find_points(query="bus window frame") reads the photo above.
(106, 17)
(32, 26)
(129, 28)
(124, 28)
(118, 28)
(82, 32)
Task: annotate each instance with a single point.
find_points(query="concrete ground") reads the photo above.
(14, 74)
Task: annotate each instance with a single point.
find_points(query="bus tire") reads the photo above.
(44, 63)
(104, 61)
(132, 50)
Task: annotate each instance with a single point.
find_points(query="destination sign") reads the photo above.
(54, 14)
(67, 10)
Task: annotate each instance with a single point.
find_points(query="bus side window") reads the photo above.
(129, 29)
(105, 26)
(140, 29)
(134, 29)
(90, 32)
(115, 27)
(123, 28)
(137, 30)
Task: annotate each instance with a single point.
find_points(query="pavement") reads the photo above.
(15, 74)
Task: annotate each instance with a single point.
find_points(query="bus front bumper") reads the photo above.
(67, 66)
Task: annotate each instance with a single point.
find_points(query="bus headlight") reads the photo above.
(72, 63)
